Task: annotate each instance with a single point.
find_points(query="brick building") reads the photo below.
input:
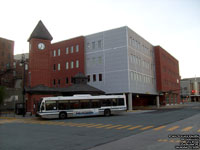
(52, 64)
(6, 62)
(167, 76)
(117, 61)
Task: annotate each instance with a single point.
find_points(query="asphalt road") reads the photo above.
(131, 130)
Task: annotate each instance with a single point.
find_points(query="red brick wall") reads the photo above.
(39, 63)
(6, 62)
(167, 72)
(63, 58)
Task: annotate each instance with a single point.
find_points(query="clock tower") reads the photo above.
(39, 56)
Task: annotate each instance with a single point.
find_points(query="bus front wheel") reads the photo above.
(62, 115)
(107, 112)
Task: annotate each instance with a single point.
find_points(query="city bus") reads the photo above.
(81, 105)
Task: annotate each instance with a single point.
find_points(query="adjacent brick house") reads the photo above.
(6, 62)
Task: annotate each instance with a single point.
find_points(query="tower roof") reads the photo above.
(40, 32)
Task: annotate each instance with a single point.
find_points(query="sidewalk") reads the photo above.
(161, 107)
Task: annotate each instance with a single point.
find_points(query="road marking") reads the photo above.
(171, 141)
(148, 127)
(173, 128)
(113, 126)
(162, 140)
(83, 124)
(159, 128)
(103, 126)
(123, 127)
(132, 128)
(187, 129)
(94, 125)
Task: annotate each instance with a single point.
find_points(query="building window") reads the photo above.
(77, 48)
(54, 53)
(132, 77)
(72, 64)
(54, 81)
(58, 66)
(88, 45)
(58, 81)
(67, 65)
(94, 77)
(66, 80)
(14, 64)
(72, 49)
(67, 50)
(72, 80)
(88, 78)
(100, 59)
(54, 67)
(99, 44)
(100, 77)
(26, 66)
(77, 64)
(14, 73)
(58, 52)
(93, 45)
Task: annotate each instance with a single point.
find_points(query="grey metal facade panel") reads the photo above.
(142, 76)
(113, 60)
(116, 59)
(116, 65)
(115, 38)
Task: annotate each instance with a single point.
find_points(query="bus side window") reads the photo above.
(84, 104)
(114, 102)
(51, 105)
(120, 101)
(95, 103)
(63, 105)
(106, 102)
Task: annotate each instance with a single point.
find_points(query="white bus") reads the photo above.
(81, 105)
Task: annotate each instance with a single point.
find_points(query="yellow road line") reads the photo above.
(187, 129)
(82, 124)
(113, 126)
(132, 128)
(94, 125)
(162, 140)
(103, 126)
(173, 128)
(123, 127)
(159, 128)
(148, 127)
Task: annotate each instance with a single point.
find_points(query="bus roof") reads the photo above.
(81, 97)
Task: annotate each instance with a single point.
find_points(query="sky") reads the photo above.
(172, 24)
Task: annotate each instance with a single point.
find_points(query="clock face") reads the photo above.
(41, 46)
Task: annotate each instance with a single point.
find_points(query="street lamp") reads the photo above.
(23, 61)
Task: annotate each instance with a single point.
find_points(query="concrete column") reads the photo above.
(157, 101)
(130, 106)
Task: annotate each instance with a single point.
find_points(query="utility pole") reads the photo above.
(23, 86)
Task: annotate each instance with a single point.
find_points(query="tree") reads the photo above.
(2, 94)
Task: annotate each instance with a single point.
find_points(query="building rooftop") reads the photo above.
(40, 32)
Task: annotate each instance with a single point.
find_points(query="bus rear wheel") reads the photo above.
(62, 115)
(107, 112)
